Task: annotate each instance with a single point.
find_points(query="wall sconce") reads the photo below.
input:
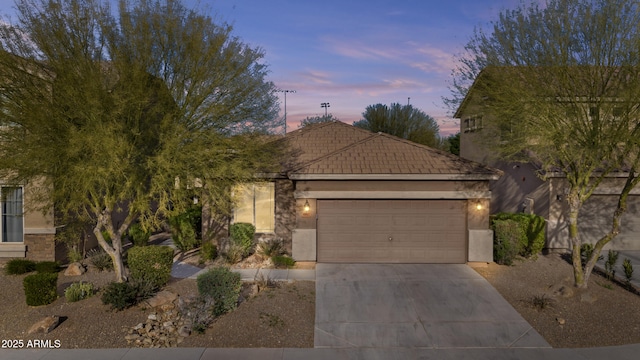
(479, 206)
(306, 208)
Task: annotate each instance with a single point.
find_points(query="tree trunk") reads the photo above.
(115, 249)
(574, 236)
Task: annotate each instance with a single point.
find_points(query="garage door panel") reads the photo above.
(422, 231)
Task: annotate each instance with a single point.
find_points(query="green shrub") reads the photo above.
(533, 237)
(120, 295)
(74, 255)
(78, 291)
(100, 259)
(609, 265)
(208, 251)
(151, 264)
(223, 286)
(48, 267)
(628, 270)
(185, 228)
(506, 245)
(234, 253)
(283, 261)
(242, 235)
(40, 288)
(19, 266)
(137, 235)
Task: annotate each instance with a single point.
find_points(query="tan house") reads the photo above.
(24, 233)
(521, 189)
(350, 195)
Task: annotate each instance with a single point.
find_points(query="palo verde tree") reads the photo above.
(127, 117)
(559, 85)
(403, 121)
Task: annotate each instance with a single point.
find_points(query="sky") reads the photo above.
(355, 53)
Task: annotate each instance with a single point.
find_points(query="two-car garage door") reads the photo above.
(392, 231)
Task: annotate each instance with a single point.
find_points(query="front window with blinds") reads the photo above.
(256, 205)
(11, 226)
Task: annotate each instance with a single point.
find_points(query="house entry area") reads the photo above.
(392, 231)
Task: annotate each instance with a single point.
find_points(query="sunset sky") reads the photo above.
(352, 54)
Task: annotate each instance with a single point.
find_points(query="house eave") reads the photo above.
(394, 176)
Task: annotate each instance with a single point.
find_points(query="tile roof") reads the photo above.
(339, 150)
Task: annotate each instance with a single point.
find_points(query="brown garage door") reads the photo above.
(392, 231)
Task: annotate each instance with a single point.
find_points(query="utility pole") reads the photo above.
(325, 106)
(408, 101)
(285, 106)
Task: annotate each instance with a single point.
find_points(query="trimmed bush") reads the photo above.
(48, 267)
(78, 291)
(151, 264)
(281, 261)
(533, 237)
(137, 235)
(208, 251)
(40, 289)
(242, 235)
(19, 266)
(223, 286)
(507, 241)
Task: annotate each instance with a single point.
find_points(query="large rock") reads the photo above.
(75, 269)
(45, 325)
(164, 299)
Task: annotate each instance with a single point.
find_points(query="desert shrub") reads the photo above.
(586, 250)
(198, 312)
(609, 265)
(242, 235)
(100, 259)
(74, 255)
(208, 251)
(19, 266)
(137, 235)
(78, 291)
(185, 228)
(533, 237)
(120, 295)
(283, 261)
(221, 285)
(270, 247)
(48, 267)
(40, 288)
(151, 264)
(126, 294)
(506, 244)
(234, 253)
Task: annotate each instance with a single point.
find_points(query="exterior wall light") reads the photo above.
(478, 206)
(306, 208)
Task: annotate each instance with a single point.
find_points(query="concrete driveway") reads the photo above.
(414, 306)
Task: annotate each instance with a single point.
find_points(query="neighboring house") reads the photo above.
(349, 195)
(24, 233)
(522, 190)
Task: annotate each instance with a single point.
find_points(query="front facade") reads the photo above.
(24, 233)
(349, 195)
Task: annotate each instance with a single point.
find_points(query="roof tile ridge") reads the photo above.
(323, 157)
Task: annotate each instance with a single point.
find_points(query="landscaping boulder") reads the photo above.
(45, 325)
(75, 269)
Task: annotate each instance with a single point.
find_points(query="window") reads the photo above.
(256, 205)
(11, 226)
(472, 124)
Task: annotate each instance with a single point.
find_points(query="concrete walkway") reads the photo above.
(183, 271)
(414, 306)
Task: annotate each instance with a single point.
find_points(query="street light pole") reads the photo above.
(285, 106)
(325, 106)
